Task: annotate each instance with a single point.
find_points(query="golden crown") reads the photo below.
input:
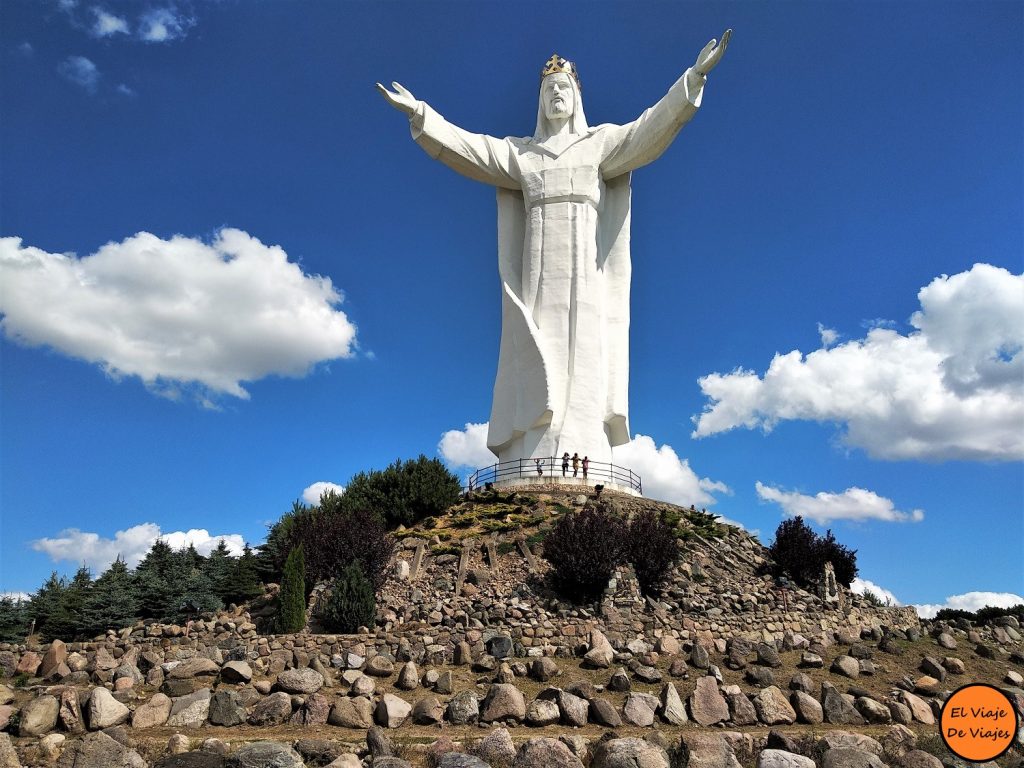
(557, 64)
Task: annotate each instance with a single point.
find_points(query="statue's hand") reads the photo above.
(712, 54)
(401, 98)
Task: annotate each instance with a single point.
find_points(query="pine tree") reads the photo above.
(47, 603)
(219, 568)
(158, 581)
(243, 583)
(280, 541)
(69, 623)
(291, 615)
(352, 603)
(14, 619)
(114, 600)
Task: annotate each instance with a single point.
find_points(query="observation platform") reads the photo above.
(527, 472)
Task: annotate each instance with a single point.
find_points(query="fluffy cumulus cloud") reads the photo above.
(107, 24)
(860, 586)
(466, 447)
(852, 504)
(311, 493)
(80, 71)
(162, 25)
(971, 601)
(178, 312)
(953, 388)
(18, 597)
(664, 475)
(132, 544)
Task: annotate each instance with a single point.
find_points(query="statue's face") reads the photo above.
(559, 97)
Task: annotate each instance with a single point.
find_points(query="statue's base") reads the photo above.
(564, 484)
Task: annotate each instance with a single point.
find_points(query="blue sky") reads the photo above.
(228, 273)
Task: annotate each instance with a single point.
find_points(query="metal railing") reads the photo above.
(551, 467)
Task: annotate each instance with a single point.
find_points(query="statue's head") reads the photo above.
(560, 98)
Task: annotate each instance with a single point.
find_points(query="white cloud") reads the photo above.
(25, 49)
(80, 71)
(132, 544)
(829, 336)
(162, 25)
(311, 493)
(971, 601)
(860, 586)
(664, 475)
(852, 504)
(951, 389)
(125, 90)
(176, 312)
(107, 24)
(466, 447)
(18, 597)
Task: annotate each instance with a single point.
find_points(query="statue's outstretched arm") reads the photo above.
(482, 158)
(642, 141)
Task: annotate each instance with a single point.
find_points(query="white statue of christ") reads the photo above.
(563, 255)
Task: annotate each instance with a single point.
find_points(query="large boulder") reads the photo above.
(197, 666)
(460, 760)
(153, 713)
(574, 709)
(104, 711)
(772, 707)
(39, 716)
(303, 680)
(503, 701)
(639, 709)
(838, 709)
(549, 753)
(265, 754)
(601, 652)
(603, 712)
(428, 711)
(707, 705)
(847, 666)
(629, 753)
(918, 707)
(236, 672)
(98, 750)
(496, 747)
(8, 754)
(707, 750)
(190, 711)
(463, 708)
(354, 712)
(542, 712)
(777, 758)
(807, 708)
(226, 708)
(275, 709)
(392, 711)
(671, 708)
(56, 655)
(850, 757)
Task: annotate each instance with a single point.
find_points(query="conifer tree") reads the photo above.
(243, 582)
(219, 568)
(291, 615)
(113, 602)
(47, 603)
(157, 579)
(70, 623)
(352, 603)
(14, 619)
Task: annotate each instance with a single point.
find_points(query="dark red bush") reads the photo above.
(584, 549)
(653, 550)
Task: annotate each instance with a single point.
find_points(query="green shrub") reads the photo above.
(584, 549)
(404, 493)
(801, 554)
(291, 616)
(351, 604)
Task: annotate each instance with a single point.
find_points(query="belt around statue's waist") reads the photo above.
(563, 199)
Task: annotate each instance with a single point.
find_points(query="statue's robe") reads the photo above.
(564, 262)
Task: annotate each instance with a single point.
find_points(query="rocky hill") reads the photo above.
(476, 662)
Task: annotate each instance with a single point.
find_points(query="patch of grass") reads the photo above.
(506, 548)
(537, 538)
(445, 549)
(20, 680)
